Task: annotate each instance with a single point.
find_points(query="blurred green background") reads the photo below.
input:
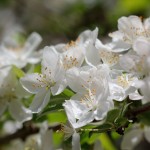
(61, 20)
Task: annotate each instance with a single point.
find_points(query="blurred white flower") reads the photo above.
(13, 53)
(144, 86)
(130, 28)
(11, 94)
(132, 138)
(137, 62)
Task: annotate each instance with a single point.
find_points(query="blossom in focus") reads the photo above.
(123, 85)
(50, 80)
(92, 98)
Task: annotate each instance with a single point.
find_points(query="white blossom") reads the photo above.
(129, 29)
(133, 137)
(11, 94)
(13, 53)
(92, 98)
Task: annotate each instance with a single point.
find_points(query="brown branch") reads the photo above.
(137, 111)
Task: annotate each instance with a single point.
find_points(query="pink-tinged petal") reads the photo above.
(19, 112)
(31, 82)
(76, 141)
(40, 100)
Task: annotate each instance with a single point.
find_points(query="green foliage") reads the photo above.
(19, 73)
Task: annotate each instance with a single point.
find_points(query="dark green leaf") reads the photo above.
(112, 115)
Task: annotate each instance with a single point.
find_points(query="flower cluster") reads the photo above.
(98, 75)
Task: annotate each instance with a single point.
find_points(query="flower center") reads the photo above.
(89, 99)
(69, 62)
(108, 57)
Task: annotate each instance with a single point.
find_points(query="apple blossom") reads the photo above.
(133, 137)
(130, 28)
(92, 99)
(14, 54)
(11, 93)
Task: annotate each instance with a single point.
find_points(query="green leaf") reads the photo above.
(37, 68)
(121, 121)
(144, 118)
(57, 117)
(106, 142)
(112, 115)
(68, 93)
(124, 109)
(19, 73)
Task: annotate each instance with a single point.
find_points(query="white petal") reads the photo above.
(50, 60)
(102, 109)
(85, 119)
(74, 80)
(131, 139)
(147, 24)
(31, 82)
(76, 141)
(88, 36)
(31, 44)
(147, 133)
(117, 35)
(92, 55)
(142, 47)
(20, 91)
(117, 92)
(135, 96)
(40, 100)
(47, 140)
(58, 88)
(60, 47)
(19, 112)
(129, 63)
(73, 109)
(119, 46)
